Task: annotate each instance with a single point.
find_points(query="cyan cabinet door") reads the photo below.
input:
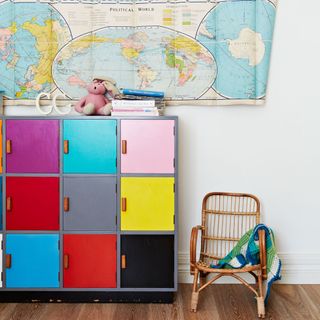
(90, 203)
(89, 146)
(32, 261)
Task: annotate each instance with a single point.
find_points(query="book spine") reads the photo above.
(136, 114)
(134, 109)
(158, 94)
(132, 103)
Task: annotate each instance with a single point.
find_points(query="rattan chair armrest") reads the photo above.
(193, 247)
(263, 253)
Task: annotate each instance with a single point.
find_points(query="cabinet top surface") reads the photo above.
(87, 118)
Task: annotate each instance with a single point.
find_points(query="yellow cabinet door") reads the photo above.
(147, 204)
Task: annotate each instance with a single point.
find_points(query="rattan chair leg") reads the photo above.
(195, 292)
(260, 299)
(261, 307)
(194, 301)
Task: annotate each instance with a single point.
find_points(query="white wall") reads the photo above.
(271, 151)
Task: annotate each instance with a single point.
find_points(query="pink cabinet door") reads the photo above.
(33, 146)
(147, 146)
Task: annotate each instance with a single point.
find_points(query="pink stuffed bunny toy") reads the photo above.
(96, 102)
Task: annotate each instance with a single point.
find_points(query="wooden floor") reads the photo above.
(225, 302)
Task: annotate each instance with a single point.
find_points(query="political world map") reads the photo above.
(197, 52)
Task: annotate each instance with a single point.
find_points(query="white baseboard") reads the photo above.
(297, 268)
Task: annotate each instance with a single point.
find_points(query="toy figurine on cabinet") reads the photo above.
(98, 100)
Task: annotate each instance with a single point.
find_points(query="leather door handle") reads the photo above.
(66, 146)
(8, 261)
(9, 204)
(66, 204)
(9, 146)
(124, 146)
(65, 261)
(123, 262)
(123, 204)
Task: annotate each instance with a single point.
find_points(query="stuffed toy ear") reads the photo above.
(111, 87)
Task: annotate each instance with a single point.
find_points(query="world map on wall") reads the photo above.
(153, 58)
(239, 35)
(216, 52)
(30, 37)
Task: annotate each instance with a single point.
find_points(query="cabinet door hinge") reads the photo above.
(174, 188)
(174, 162)
(116, 163)
(174, 219)
(59, 276)
(116, 224)
(116, 188)
(174, 130)
(1, 244)
(116, 130)
(1, 276)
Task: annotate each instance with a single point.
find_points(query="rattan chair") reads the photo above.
(225, 218)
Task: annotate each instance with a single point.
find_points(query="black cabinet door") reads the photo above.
(147, 261)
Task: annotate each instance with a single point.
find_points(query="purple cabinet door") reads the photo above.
(34, 146)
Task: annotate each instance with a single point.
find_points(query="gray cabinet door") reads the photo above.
(90, 203)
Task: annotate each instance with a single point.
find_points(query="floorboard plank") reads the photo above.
(311, 294)
(59, 311)
(218, 302)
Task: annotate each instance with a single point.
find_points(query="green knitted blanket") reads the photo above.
(246, 252)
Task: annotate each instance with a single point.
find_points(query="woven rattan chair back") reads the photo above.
(226, 217)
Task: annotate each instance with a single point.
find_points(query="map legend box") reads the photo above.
(186, 18)
(167, 17)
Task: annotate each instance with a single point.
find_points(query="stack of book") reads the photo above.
(138, 103)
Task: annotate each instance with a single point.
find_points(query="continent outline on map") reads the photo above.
(93, 35)
(35, 80)
(202, 29)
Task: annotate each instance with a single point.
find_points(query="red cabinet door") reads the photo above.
(32, 203)
(89, 261)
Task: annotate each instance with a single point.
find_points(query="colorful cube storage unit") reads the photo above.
(89, 209)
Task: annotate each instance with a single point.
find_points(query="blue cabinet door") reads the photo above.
(89, 146)
(34, 261)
